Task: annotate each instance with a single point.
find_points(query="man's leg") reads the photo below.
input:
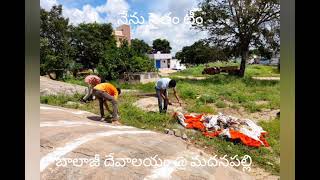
(107, 97)
(99, 96)
(101, 107)
(159, 100)
(115, 113)
(166, 101)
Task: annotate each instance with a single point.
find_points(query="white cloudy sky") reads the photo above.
(105, 11)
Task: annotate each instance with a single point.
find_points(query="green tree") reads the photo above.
(55, 50)
(238, 23)
(117, 61)
(200, 53)
(91, 40)
(161, 45)
(140, 47)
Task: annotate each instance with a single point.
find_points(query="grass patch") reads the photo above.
(59, 99)
(251, 70)
(199, 95)
(130, 115)
(72, 80)
(262, 71)
(201, 108)
(196, 70)
(252, 107)
(235, 106)
(241, 91)
(221, 104)
(206, 98)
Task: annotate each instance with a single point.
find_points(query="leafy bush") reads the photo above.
(116, 61)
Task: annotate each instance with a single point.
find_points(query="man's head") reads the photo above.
(119, 91)
(172, 83)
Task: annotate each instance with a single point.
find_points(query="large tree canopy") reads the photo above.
(241, 24)
(161, 45)
(200, 53)
(91, 41)
(55, 50)
(117, 61)
(139, 46)
(64, 48)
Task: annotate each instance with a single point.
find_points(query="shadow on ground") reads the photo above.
(98, 118)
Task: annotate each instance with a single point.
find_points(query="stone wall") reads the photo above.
(140, 77)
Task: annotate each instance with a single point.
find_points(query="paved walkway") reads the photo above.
(74, 134)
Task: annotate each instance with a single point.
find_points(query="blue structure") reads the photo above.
(158, 64)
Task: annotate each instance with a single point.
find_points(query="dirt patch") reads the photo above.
(262, 102)
(150, 104)
(267, 78)
(166, 72)
(261, 174)
(190, 77)
(263, 115)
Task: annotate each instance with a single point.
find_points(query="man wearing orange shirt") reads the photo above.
(107, 92)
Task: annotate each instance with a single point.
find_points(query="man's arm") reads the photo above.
(162, 94)
(165, 96)
(88, 93)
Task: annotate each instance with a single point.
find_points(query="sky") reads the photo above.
(109, 11)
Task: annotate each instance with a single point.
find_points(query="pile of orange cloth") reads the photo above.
(230, 127)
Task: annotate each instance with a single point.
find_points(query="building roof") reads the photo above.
(160, 56)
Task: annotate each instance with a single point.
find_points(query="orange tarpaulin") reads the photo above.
(195, 122)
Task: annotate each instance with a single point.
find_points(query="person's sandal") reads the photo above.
(116, 122)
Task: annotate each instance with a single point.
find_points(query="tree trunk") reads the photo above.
(75, 73)
(244, 57)
(279, 65)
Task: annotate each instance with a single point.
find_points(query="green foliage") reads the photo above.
(116, 61)
(206, 98)
(240, 24)
(161, 45)
(201, 53)
(243, 92)
(91, 40)
(140, 47)
(87, 46)
(55, 50)
(221, 104)
(201, 108)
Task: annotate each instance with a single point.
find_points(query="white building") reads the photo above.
(165, 61)
(161, 61)
(176, 65)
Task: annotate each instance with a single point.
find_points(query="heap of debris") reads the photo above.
(232, 70)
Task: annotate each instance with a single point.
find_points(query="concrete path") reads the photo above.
(74, 134)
